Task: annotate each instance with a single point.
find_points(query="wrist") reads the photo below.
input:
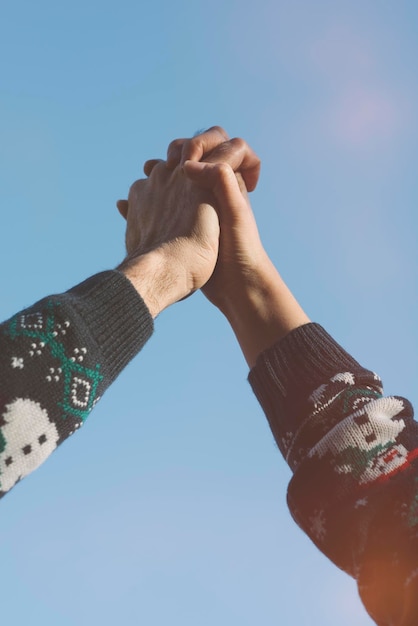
(248, 287)
(159, 281)
(262, 310)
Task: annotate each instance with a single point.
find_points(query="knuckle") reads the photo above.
(175, 144)
(223, 170)
(194, 146)
(238, 144)
(195, 141)
(135, 186)
(220, 130)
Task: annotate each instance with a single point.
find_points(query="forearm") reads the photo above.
(261, 310)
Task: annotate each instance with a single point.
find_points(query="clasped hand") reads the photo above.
(190, 224)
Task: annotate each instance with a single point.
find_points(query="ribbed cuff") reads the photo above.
(115, 315)
(306, 356)
(286, 374)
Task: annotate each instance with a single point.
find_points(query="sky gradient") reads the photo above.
(170, 505)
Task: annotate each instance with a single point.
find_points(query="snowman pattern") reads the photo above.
(365, 443)
(27, 438)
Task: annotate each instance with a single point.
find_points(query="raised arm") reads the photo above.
(59, 356)
(353, 452)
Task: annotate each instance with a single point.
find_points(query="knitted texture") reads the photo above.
(56, 360)
(354, 454)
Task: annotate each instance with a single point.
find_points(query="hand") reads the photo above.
(172, 236)
(241, 254)
(235, 152)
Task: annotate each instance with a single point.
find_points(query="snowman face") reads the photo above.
(385, 463)
(29, 438)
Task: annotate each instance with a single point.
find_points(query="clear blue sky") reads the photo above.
(169, 507)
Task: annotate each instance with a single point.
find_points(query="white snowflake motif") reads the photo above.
(17, 362)
(344, 377)
(360, 502)
(412, 577)
(287, 440)
(317, 525)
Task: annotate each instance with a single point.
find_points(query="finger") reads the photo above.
(136, 188)
(149, 165)
(174, 152)
(240, 157)
(203, 141)
(194, 149)
(241, 184)
(122, 206)
(221, 179)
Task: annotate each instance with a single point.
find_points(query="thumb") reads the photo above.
(122, 206)
(220, 178)
(229, 190)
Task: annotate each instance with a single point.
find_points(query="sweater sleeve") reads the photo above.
(56, 360)
(354, 457)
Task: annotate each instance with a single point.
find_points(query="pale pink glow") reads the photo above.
(365, 110)
(362, 116)
(354, 100)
